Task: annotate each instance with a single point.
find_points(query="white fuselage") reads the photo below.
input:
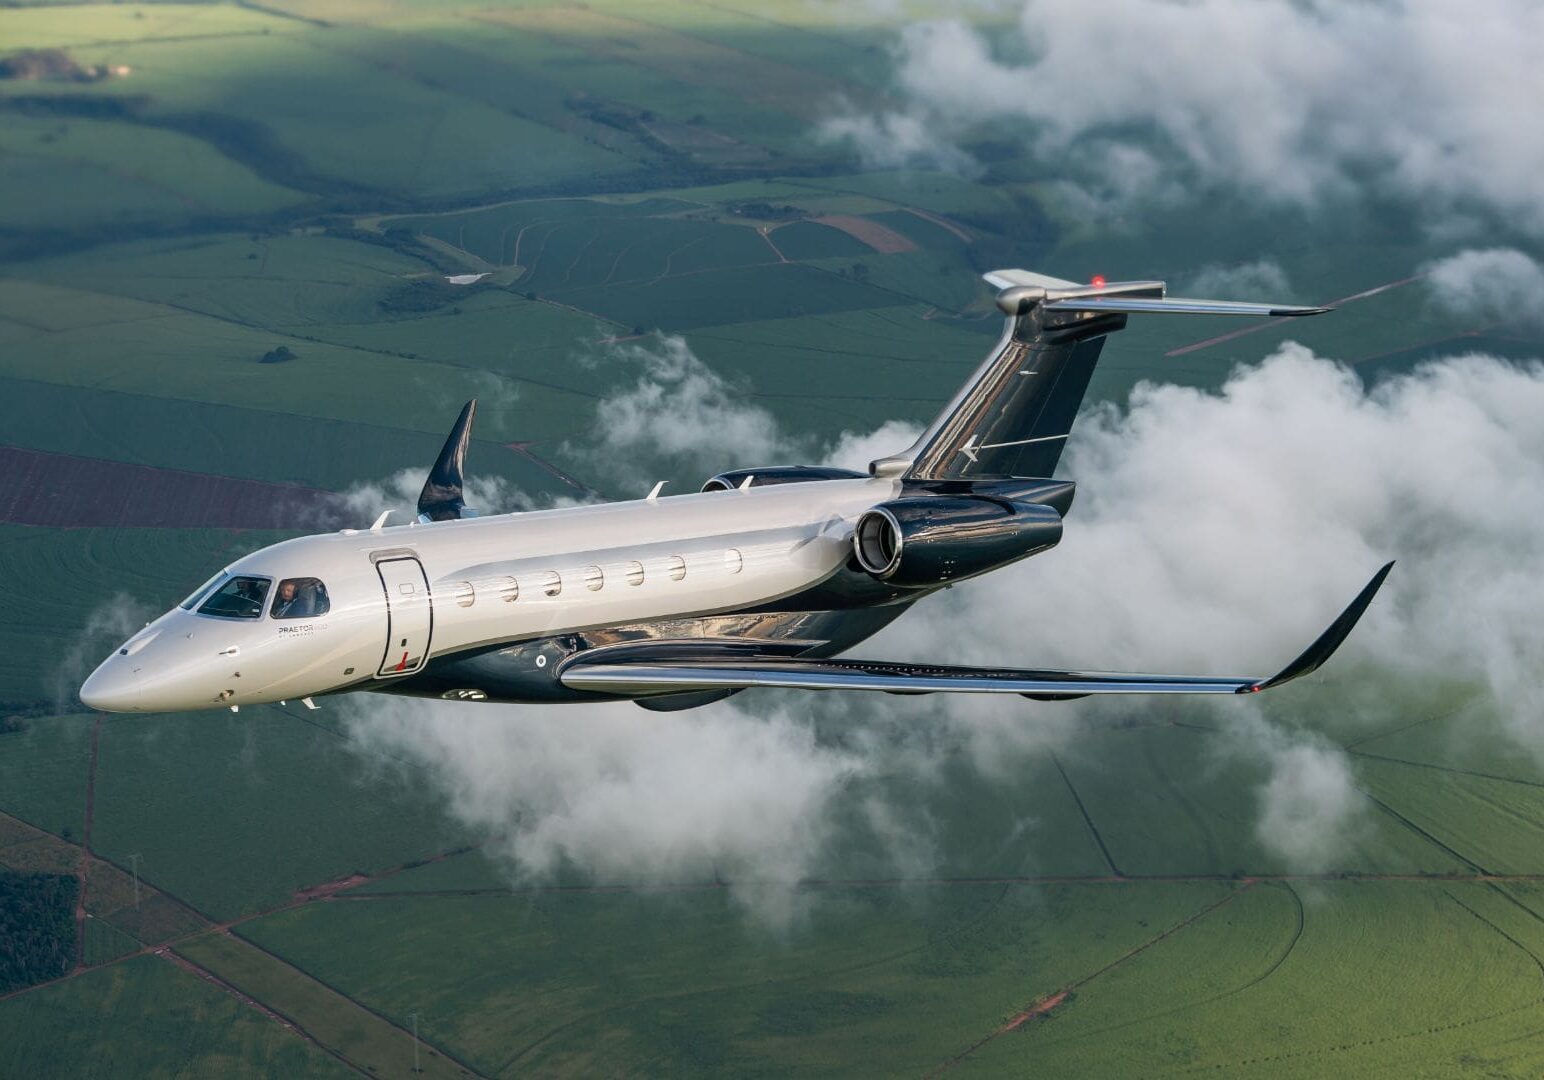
(485, 582)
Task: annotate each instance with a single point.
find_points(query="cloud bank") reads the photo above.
(1214, 532)
(1492, 284)
(1262, 279)
(487, 494)
(627, 796)
(108, 625)
(1245, 517)
(1279, 99)
(681, 420)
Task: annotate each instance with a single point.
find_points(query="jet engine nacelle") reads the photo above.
(932, 540)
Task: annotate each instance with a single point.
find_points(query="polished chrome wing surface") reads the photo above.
(617, 673)
(1178, 305)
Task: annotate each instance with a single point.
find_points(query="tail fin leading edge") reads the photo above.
(1014, 415)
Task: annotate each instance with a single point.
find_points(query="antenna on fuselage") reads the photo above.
(441, 499)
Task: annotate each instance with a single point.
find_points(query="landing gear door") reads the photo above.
(409, 616)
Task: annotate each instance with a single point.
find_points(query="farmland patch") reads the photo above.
(38, 488)
(149, 1018)
(735, 294)
(230, 441)
(215, 804)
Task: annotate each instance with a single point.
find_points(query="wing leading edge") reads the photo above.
(615, 674)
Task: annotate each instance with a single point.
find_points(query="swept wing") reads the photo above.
(650, 670)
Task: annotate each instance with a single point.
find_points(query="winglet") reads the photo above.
(441, 499)
(1328, 642)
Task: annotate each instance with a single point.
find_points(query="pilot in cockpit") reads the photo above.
(299, 598)
(289, 603)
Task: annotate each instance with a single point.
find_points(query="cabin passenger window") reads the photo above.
(238, 598)
(635, 573)
(594, 578)
(733, 562)
(677, 566)
(509, 590)
(552, 583)
(466, 596)
(300, 598)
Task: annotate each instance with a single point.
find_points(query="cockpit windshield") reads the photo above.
(202, 591)
(238, 598)
(300, 598)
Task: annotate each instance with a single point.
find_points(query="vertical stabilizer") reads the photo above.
(1013, 417)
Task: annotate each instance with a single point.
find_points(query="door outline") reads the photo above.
(391, 671)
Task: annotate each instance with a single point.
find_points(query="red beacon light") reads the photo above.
(1097, 281)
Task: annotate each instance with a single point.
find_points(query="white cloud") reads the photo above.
(854, 450)
(893, 139)
(680, 419)
(1214, 532)
(1262, 279)
(1219, 532)
(1493, 284)
(107, 626)
(628, 796)
(1310, 809)
(363, 502)
(1280, 99)
(678, 410)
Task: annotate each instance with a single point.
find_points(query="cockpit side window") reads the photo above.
(238, 598)
(300, 598)
(202, 591)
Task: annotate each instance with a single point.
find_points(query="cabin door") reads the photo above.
(409, 615)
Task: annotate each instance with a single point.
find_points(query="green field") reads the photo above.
(144, 1017)
(222, 832)
(211, 182)
(365, 1040)
(871, 973)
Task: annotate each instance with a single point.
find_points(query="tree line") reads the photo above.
(37, 927)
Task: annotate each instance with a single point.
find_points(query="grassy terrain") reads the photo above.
(106, 943)
(111, 24)
(146, 1018)
(1348, 988)
(27, 849)
(1194, 813)
(95, 172)
(42, 773)
(364, 1039)
(229, 440)
(636, 984)
(215, 361)
(217, 805)
(145, 915)
(1493, 822)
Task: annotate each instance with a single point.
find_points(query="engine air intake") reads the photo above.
(930, 540)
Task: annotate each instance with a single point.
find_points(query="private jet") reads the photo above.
(761, 579)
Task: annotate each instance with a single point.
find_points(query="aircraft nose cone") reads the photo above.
(112, 687)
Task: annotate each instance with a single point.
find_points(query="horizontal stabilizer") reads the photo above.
(1175, 305)
(1008, 279)
(633, 671)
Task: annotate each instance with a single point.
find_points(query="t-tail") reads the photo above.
(1013, 417)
